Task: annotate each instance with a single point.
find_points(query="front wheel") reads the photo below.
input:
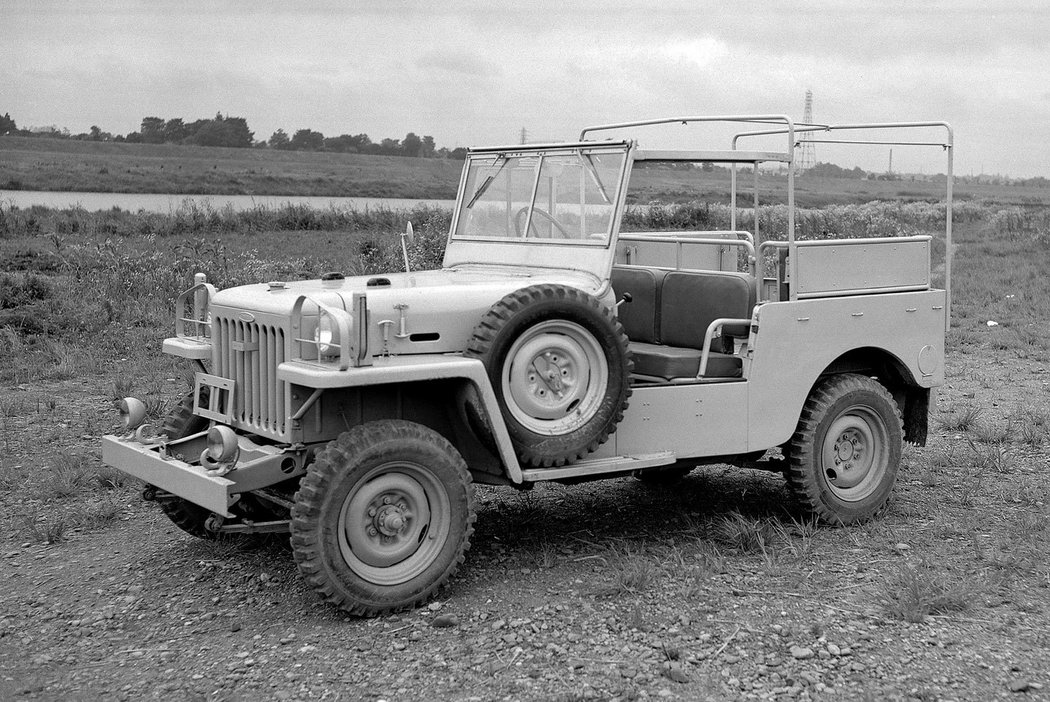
(844, 455)
(383, 517)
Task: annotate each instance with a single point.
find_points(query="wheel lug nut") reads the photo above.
(372, 531)
(386, 500)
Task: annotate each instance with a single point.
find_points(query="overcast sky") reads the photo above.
(472, 73)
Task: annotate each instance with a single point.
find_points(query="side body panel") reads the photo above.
(796, 341)
(708, 419)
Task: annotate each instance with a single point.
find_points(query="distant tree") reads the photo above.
(428, 147)
(344, 143)
(390, 147)
(222, 131)
(279, 140)
(238, 134)
(307, 140)
(459, 153)
(412, 145)
(152, 130)
(361, 142)
(175, 130)
(830, 170)
(96, 134)
(7, 125)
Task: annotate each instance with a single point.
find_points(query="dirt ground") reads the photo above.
(715, 589)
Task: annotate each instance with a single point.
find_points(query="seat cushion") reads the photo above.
(669, 362)
(640, 317)
(690, 301)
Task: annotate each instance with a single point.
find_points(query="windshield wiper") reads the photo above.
(488, 181)
(586, 160)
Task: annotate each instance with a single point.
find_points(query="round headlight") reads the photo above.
(327, 336)
(132, 413)
(222, 444)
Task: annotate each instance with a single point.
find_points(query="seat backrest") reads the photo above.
(641, 316)
(690, 301)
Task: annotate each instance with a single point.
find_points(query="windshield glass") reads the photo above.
(566, 196)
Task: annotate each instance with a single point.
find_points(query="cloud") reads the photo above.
(457, 62)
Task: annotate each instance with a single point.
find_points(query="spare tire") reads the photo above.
(559, 364)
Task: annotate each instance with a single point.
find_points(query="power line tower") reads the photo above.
(807, 155)
(524, 135)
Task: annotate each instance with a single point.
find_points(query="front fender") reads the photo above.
(393, 370)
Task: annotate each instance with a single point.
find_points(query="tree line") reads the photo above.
(234, 132)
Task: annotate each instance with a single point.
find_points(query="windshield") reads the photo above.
(565, 195)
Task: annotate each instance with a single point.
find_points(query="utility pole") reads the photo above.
(807, 157)
(524, 135)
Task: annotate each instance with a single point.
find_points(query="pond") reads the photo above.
(159, 202)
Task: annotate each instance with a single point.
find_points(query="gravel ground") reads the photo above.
(609, 590)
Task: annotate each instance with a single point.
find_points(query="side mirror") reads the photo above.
(406, 239)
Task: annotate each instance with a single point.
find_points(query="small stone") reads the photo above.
(287, 639)
(1020, 685)
(235, 626)
(834, 650)
(444, 621)
(801, 653)
(673, 670)
(434, 606)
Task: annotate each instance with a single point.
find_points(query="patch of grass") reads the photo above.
(959, 419)
(52, 529)
(752, 534)
(99, 513)
(67, 477)
(913, 592)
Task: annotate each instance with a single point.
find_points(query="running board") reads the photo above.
(597, 466)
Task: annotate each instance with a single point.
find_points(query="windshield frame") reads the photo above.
(611, 193)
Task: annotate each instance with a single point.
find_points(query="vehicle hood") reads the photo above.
(430, 311)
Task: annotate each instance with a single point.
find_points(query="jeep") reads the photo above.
(356, 412)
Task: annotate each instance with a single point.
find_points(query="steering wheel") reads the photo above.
(532, 225)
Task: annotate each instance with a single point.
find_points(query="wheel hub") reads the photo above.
(391, 520)
(849, 455)
(555, 377)
(386, 520)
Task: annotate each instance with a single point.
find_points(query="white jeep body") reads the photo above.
(394, 346)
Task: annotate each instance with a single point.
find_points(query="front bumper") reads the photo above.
(189, 482)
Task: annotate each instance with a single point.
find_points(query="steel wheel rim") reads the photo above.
(854, 456)
(394, 523)
(554, 377)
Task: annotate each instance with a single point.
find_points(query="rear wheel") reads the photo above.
(844, 455)
(383, 517)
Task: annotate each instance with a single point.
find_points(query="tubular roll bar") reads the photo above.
(947, 145)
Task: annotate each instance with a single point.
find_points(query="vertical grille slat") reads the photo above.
(255, 385)
(260, 399)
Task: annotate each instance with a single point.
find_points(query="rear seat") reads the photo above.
(668, 317)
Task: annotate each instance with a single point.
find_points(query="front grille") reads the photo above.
(249, 353)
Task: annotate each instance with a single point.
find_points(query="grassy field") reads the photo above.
(56, 164)
(63, 165)
(959, 558)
